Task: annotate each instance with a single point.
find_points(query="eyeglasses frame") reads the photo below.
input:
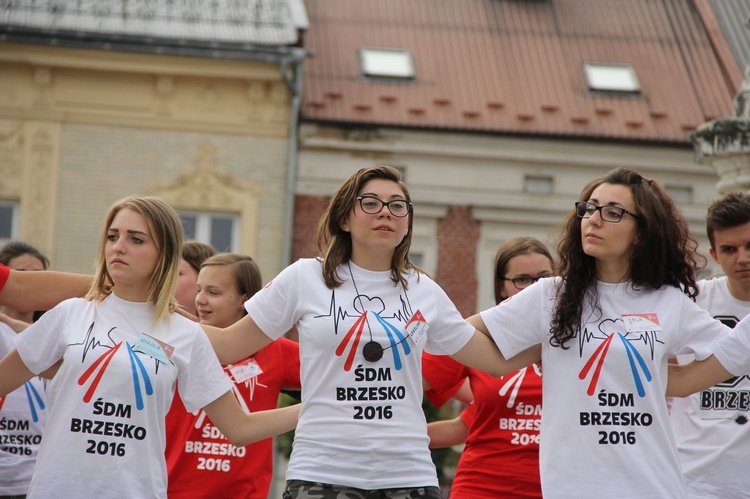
(601, 213)
(533, 280)
(386, 204)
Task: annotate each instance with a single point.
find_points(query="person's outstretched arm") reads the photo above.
(242, 428)
(695, 376)
(238, 341)
(16, 325)
(482, 353)
(447, 433)
(13, 373)
(29, 291)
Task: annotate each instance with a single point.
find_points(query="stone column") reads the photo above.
(724, 143)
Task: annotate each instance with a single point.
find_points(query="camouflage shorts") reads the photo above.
(298, 489)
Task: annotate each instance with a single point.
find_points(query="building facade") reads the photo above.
(98, 102)
(500, 112)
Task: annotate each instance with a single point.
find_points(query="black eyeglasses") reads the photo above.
(525, 281)
(612, 214)
(371, 205)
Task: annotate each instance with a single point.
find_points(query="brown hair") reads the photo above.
(726, 212)
(335, 244)
(246, 272)
(664, 256)
(511, 248)
(15, 249)
(196, 252)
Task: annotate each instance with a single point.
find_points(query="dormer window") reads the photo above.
(386, 63)
(611, 77)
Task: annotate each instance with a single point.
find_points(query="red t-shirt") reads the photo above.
(4, 274)
(501, 456)
(201, 462)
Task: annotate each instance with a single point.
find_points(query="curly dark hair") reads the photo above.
(664, 256)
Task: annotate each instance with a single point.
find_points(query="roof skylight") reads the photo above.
(611, 77)
(386, 63)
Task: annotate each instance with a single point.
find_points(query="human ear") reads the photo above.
(713, 254)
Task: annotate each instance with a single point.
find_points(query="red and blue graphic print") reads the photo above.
(612, 330)
(35, 399)
(142, 385)
(370, 312)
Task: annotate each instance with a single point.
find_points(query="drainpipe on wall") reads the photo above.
(294, 83)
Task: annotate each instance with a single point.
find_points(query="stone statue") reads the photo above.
(741, 108)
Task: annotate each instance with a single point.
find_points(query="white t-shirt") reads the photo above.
(105, 431)
(711, 430)
(605, 428)
(23, 414)
(361, 423)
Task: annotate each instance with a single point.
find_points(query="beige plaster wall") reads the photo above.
(81, 128)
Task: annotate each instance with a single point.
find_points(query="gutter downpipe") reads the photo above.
(294, 84)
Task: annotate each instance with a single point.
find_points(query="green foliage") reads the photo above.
(445, 459)
(285, 440)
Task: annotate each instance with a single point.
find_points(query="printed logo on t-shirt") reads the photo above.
(729, 399)
(512, 384)
(35, 399)
(142, 384)
(200, 420)
(371, 318)
(523, 422)
(616, 417)
(369, 344)
(634, 342)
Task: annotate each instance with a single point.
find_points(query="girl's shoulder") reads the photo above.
(304, 266)
(76, 304)
(309, 263)
(417, 275)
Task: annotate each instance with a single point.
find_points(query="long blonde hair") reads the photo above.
(166, 231)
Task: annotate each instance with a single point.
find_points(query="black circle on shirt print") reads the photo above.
(372, 351)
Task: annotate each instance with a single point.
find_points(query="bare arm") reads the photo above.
(695, 376)
(29, 291)
(15, 324)
(241, 339)
(464, 393)
(482, 353)
(13, 373)
(242, 428)
(447, 433)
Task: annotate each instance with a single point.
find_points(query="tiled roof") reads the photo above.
(732, 17)
(264, 22)
(515, 66)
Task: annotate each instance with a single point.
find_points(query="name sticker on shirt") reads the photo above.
(154, 348)
(638, 323)
(244, 370)
(416, 327)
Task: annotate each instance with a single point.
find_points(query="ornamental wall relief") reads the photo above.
(206, 188)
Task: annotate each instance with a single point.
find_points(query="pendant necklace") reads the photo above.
(372, 351)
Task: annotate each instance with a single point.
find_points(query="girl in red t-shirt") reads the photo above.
(200, 461)
(501, 426)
